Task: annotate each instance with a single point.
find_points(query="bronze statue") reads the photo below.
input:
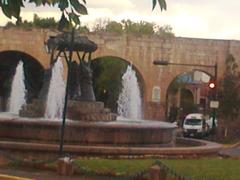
(80, 85)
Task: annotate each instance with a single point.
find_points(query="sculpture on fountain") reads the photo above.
(80, 74)
(82, 104)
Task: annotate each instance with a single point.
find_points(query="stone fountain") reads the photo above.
(89, 125)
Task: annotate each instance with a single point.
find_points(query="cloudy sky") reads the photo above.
(215, 19)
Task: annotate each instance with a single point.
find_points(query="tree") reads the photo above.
(130, 26)
(83, 29)
(229, 92)
(47, 23)
(146, 28)
(37, 22)
(162, 4)
(107, 76)
(9, 24)
(44, 22)
(141, 27)
(100, 25)
(165, 31)
(114, 26)
(71, 9)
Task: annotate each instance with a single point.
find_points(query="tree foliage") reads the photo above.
(165, 31)
(131, 27)
(114, 27)
(37, 22)
(138, 28)
(107, 75)
(229, 91)
(162, 4)
(71, 9)
(45, 23)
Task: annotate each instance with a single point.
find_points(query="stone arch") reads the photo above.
(175, 100)
(138, 72)
(33, 72)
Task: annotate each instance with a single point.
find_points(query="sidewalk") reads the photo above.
(28, 174)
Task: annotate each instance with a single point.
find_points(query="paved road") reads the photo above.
(233, 152)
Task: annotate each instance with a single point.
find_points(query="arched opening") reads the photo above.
(107, 79)
(188, 93)
(187, 101)
(33, 72)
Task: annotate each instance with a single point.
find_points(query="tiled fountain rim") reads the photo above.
(112, 124)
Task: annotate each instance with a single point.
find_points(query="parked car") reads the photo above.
(195, 125)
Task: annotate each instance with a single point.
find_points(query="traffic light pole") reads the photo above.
(215, 99)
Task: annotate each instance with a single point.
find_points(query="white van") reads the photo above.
(195, 125)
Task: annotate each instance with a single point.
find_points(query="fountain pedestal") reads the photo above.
(76, 110)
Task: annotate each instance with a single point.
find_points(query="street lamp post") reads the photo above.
(64, 45)
(69, 61)
(215, 66)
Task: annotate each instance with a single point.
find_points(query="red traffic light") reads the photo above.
(212, 85)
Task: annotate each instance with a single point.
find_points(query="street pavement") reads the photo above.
(231, 152)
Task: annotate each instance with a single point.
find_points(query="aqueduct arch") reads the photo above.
(194, 82)
(33, 72)
(120, 70)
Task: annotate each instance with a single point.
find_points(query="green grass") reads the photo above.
(213, 168)
(196, 169)
(116, 167)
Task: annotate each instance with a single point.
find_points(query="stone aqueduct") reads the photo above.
(141, 51)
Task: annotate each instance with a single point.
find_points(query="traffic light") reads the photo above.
(212, 90)
(212, 85)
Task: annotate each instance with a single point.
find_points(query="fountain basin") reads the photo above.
(115, 133)
(39, 138)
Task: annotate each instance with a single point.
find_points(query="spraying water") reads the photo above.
(18, 91)
(129, 101)
(56, 92)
